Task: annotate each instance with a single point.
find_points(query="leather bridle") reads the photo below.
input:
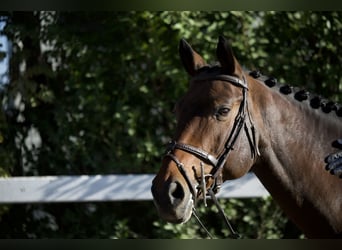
(217, 162)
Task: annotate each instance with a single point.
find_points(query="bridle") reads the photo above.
(217, 162)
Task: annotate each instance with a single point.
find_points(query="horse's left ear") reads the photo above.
(226, 57)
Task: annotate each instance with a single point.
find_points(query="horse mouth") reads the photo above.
(177, 215)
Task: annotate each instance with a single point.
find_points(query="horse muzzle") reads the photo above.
(173, 201)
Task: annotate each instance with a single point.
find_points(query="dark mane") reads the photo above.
(300, 95)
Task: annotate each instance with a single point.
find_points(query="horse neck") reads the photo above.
(294, 128)
(294, 139)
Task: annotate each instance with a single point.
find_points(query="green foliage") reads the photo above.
(99, 97)
(251, 218)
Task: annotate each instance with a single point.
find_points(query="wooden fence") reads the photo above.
(103, 188)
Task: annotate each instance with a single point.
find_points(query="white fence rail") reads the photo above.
(101, 188)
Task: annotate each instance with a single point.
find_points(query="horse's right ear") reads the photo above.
(190, 59)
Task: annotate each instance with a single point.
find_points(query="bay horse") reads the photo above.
(230, 122)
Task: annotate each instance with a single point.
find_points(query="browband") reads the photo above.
(232, 79)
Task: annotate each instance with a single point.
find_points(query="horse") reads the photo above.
(232, 121)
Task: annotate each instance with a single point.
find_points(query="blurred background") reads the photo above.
(93, 93)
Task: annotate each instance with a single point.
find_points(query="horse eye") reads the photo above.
(223, 111)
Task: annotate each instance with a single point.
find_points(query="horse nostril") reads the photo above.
(176, 192)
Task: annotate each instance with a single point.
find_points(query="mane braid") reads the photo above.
(300, 95)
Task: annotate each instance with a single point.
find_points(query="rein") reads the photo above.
(217, 162)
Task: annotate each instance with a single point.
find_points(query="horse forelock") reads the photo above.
(209, 69)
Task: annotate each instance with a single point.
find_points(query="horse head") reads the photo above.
(215, 139)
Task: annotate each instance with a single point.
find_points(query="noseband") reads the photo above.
(217, 162)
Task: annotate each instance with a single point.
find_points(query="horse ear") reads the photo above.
(190, 59)
(225, 56)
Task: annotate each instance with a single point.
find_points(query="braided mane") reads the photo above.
(316, 101)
